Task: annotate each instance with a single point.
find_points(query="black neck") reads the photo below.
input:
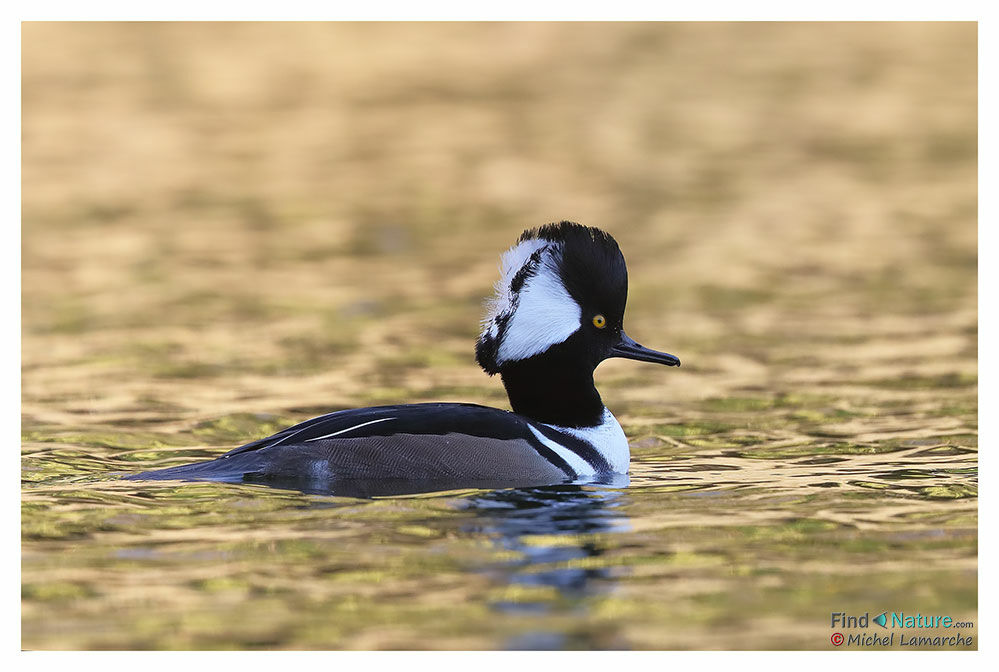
(553, 388)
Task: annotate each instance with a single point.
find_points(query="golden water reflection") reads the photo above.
(229, 228)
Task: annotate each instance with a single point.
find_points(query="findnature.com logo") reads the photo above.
(909, 628)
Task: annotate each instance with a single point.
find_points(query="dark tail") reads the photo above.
(229, 469)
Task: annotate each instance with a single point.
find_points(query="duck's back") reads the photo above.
(415, 442)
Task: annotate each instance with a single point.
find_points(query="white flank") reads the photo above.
(578, 464)
(545, 316)
(608, 438)
(343, 431)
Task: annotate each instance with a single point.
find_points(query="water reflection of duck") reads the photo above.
(557, 313)
(556, 566)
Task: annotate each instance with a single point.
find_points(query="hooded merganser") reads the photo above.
(557, 313)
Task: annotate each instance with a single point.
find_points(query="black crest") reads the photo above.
(592, 269)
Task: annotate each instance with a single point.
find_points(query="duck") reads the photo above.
(557, 312)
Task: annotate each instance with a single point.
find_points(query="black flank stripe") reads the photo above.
(550, 455)
(587, 452)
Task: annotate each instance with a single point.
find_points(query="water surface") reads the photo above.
(231, 228)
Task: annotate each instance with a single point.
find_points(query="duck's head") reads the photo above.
(560, 299)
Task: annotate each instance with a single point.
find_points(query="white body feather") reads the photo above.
(608, 438)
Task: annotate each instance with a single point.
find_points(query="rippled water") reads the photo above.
(217, 247)
(704, 548)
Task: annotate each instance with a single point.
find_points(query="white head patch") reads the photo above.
(531, 310)
(502, 302)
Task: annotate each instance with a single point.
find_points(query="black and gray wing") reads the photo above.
(456, 443)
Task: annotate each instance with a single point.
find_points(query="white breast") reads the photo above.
(607, 437)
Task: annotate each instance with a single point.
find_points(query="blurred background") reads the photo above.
(231, 226)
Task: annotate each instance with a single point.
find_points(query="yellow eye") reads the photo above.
(599, 321)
